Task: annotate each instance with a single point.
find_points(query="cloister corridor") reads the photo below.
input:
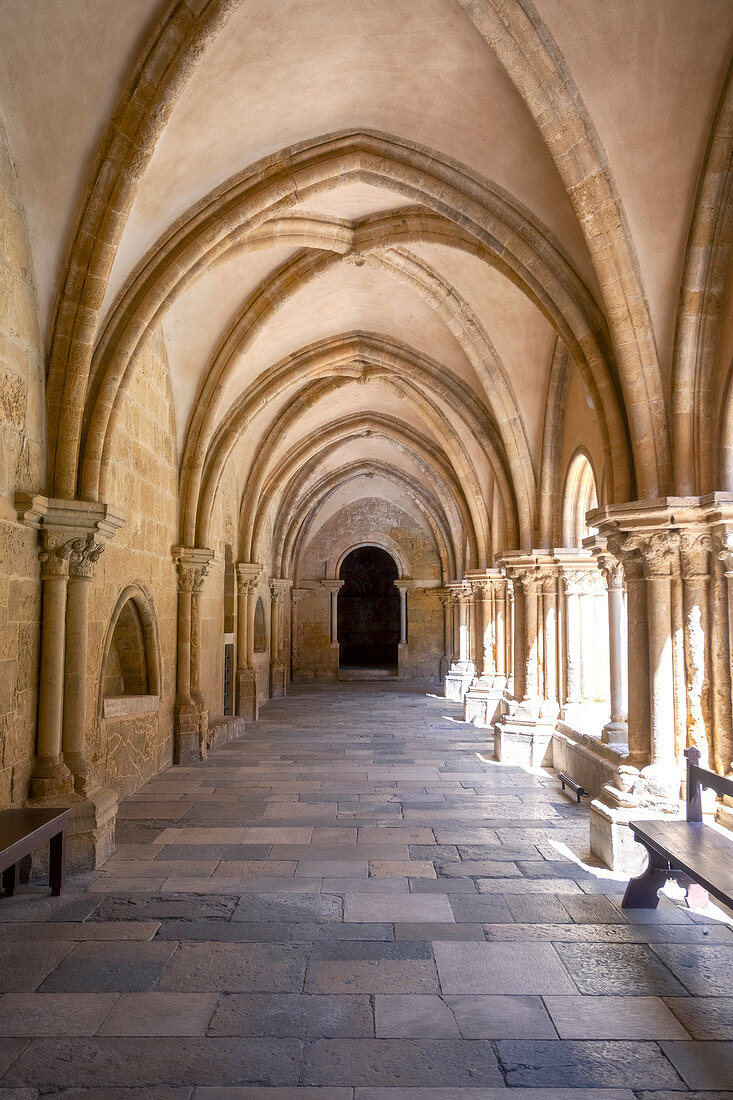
(354, 898)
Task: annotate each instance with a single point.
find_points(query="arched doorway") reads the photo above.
(368, 610)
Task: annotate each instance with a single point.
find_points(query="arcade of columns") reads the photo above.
(315, 335)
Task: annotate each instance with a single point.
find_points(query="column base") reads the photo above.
(458, 680)
(86, 775)
(247, 702)
(90, 839)
(615, 733)
(277, 681)
(611, 838)
(522, 736)
(50, 778)
(190, 727)
(481, 703)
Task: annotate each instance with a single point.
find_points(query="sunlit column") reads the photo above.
(657, 553)
(695, 565)
(616, 730)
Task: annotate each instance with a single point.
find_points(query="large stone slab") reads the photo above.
(294, 1016)
(394, 1062)
(572, 1064)
(235, 968)
(104, 967)
(501, 968)
(607, 969)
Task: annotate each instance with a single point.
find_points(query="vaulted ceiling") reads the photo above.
(370, 232)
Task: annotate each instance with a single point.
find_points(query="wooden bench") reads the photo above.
(687, 851)
(22, 831)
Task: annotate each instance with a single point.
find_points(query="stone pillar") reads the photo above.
(296, 595)
(403, 585)
(461, 671)
(501, 604)
(572, 590)
(81, 565)
(278, 591)
(657, 553)
(191, 718)
(73, 533)
(616, 730)
(447, 655)
(695, 566)
(722, 655)
(523, 732)
(248, 577)
(333, 588)
(549, 649)
(50, 775)
(531, 587)
(482, 698)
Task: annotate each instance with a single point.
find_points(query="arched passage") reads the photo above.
(368, 610)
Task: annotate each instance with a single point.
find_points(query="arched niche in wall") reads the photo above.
(130, 673)
(260, 634)
(579, 497)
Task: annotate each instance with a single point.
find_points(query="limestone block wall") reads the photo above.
(22, 468)
(379, 522)
(143, 485)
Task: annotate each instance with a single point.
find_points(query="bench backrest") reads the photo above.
(697, 778)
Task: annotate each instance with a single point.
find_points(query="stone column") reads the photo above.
(278, 590)
(333, 588)
(447, 655)
(549, 605)
(695, 549)
(531, 587)
(572, 588)
(190, 715)
(722, 654)
(248, 577)
(50, 775)
(500, 597)
(461, 671)
(402, 589)
(616, 730)
(81, 565)
(657, 552)
(296, 595)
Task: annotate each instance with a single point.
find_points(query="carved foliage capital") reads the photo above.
(64, 556)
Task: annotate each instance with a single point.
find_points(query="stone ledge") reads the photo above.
(120, 706)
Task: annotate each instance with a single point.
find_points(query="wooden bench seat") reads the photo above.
(688, 851)
(24, 830)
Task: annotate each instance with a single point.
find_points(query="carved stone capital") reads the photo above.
(695, 548)
(84, 556)
(581, 582)
(298, 594)
(612, 571)
(193, 564)
(248, 576)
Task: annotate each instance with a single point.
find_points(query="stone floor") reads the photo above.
(355, 897)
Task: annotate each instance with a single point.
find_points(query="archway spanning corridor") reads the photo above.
(368, 610)
(284, 278)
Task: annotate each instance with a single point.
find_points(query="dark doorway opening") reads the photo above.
(368, 610)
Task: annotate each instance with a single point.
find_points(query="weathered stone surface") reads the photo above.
(296, 1016)
(235, 967)
(585, 1064)
(617, 969)
(394, 1062)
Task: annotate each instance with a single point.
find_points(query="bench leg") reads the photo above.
(641, 893)
(9, 877)
(57, 863)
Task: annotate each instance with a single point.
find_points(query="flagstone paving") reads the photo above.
(354, 902)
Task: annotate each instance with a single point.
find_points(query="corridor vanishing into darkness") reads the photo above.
(353, 897)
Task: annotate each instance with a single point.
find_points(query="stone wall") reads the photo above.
(22, 468)
(143, 485)
(370, 521)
